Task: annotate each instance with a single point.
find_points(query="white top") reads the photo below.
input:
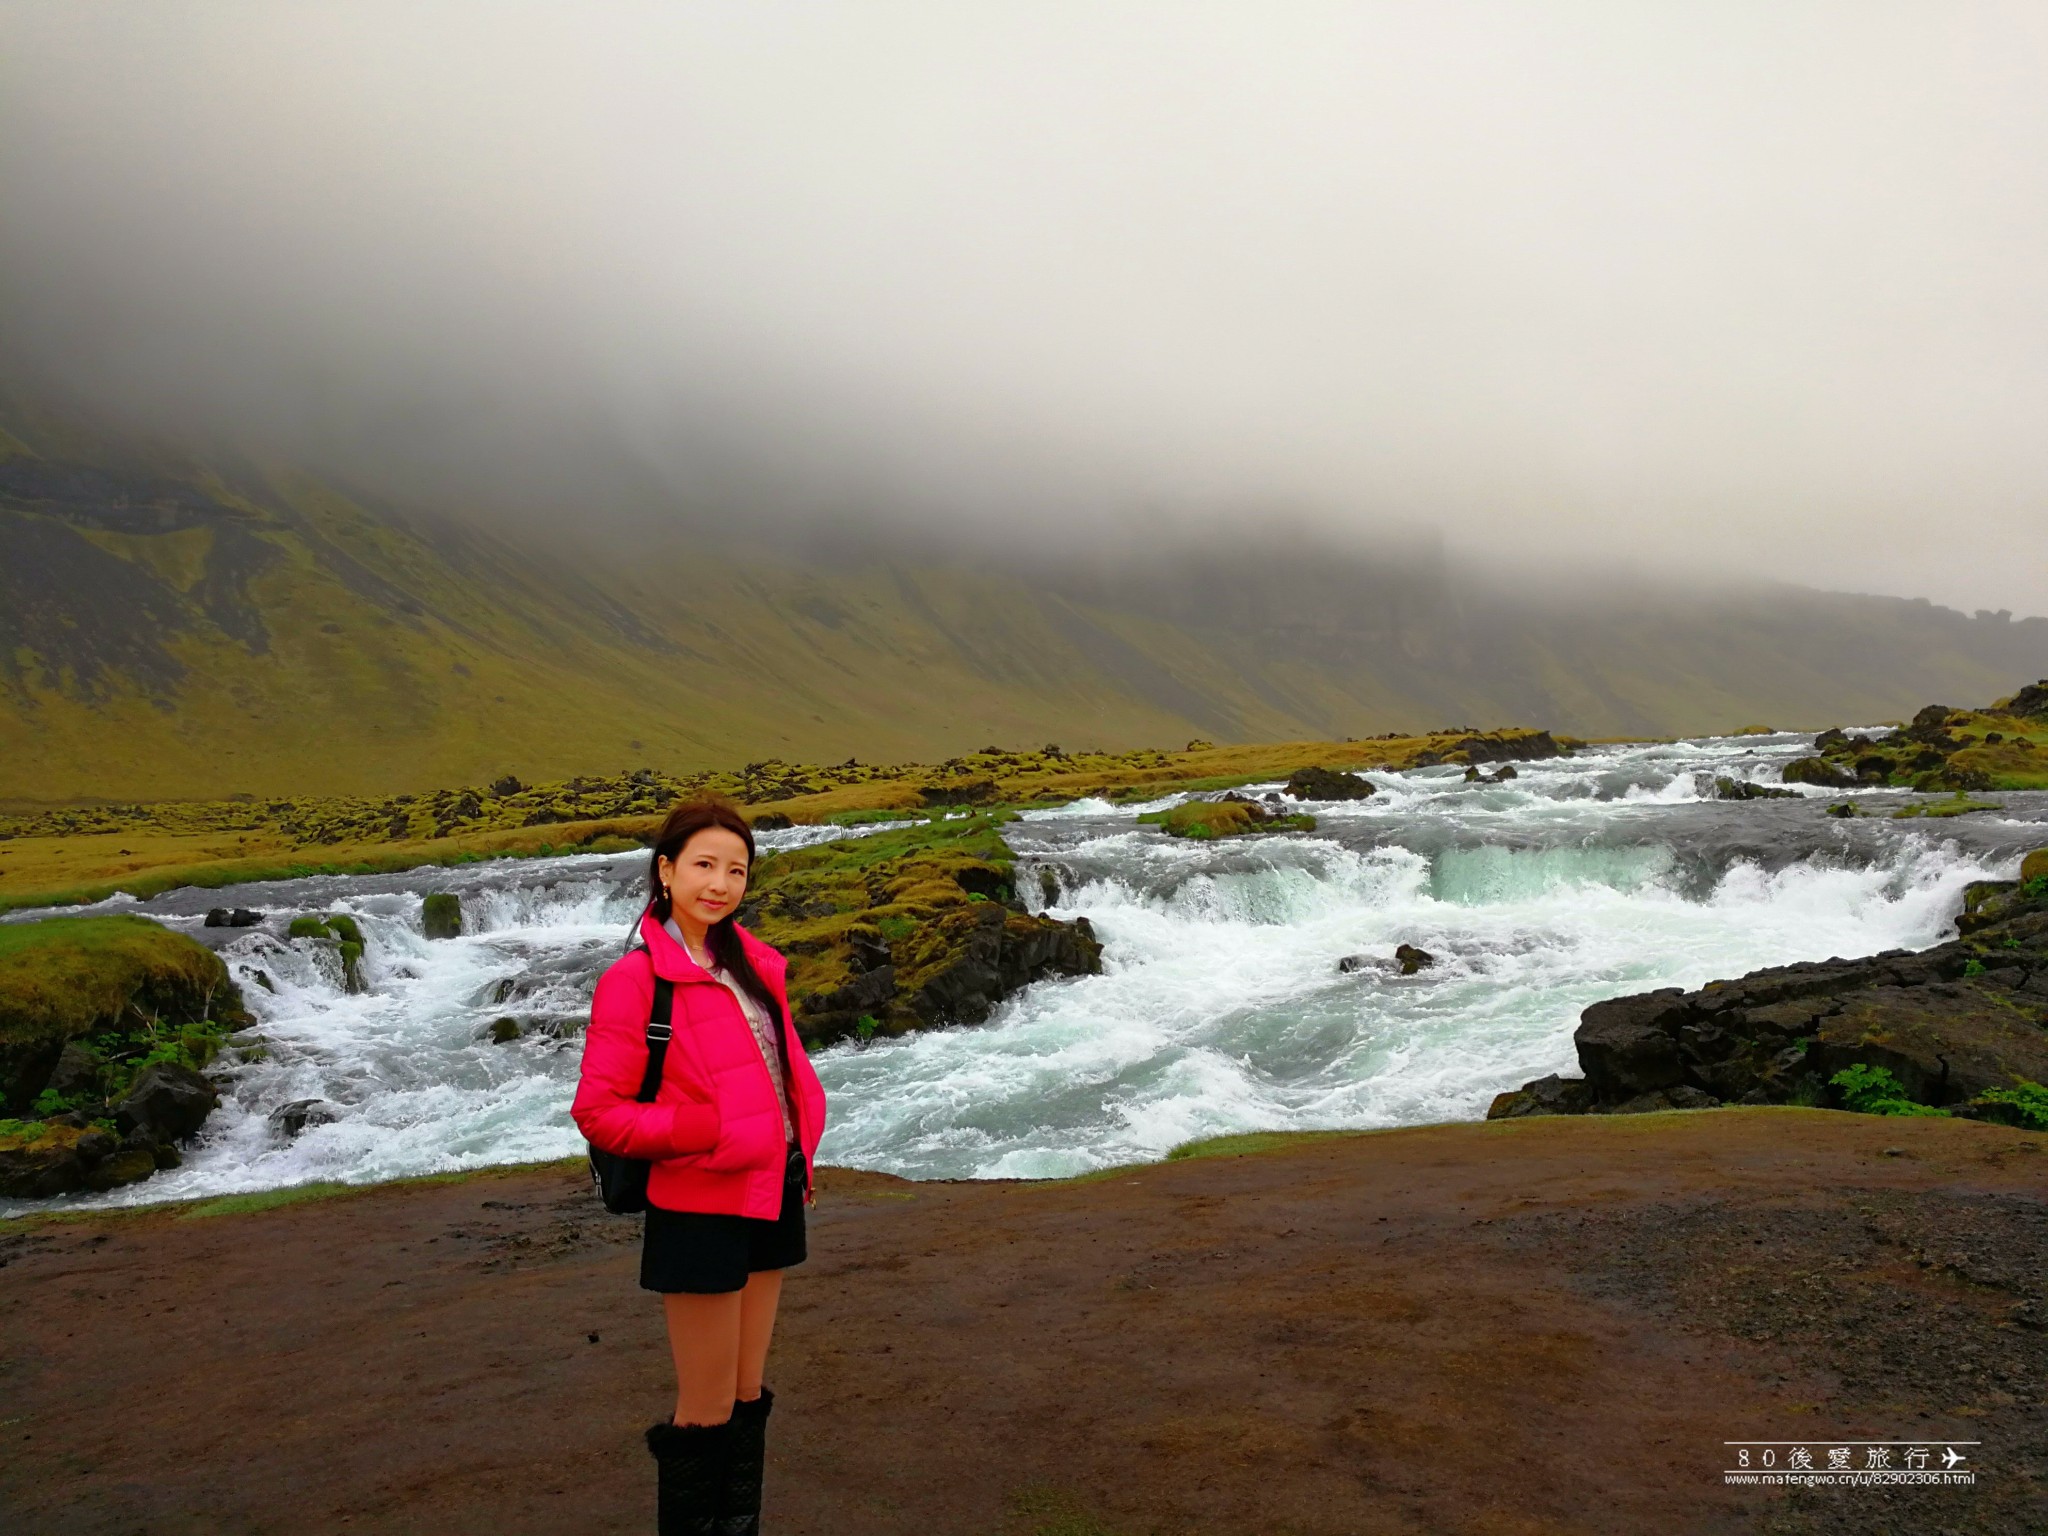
(757, 1020)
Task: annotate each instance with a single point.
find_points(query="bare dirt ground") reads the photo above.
(1533, 1326)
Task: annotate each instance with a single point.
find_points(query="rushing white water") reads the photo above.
(1221, 1006)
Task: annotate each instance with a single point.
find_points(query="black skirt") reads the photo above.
(706, 1254)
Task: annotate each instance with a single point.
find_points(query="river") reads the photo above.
(1222, 1006)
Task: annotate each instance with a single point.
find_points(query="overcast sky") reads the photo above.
(1718, 287)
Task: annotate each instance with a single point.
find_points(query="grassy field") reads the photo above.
(82, 854)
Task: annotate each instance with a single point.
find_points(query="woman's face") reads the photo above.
(706, 878)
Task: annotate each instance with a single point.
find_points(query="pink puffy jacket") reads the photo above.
(714, 1131)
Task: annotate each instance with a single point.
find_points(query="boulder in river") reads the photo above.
(1742, 789)
(913, 928)
(168, 1101)
(1949, 1024)
(232, 917)
(441, 915)
(1817, 770)
(1411, 959)
(301, 1115)
(1329, 784)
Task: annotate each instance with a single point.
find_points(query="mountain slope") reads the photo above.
(177, 623)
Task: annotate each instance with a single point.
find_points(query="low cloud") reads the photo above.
(1737, 290)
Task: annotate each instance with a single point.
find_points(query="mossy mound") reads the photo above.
(1204, 820)
(345, 934)
(120, 988)
(441, 915)
(105, 1023)
(906, 929)
(2004, 746)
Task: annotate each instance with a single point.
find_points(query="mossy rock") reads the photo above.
(2034, 866)
(1334, 784)
(113, 981)
(441, 915)
(345, 934)
(905, 929)
(338, 926)
(1818, 771)
(1204, 820)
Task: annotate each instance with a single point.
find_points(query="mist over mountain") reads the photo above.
(398, 395)
(1746, 293)
(177, 624)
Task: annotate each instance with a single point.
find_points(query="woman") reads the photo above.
(730, 1135)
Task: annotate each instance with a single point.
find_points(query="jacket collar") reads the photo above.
(672, 961)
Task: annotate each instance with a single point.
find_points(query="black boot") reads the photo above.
(692, 1460)
(739, 1509)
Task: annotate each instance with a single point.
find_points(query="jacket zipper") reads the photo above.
(796, 1105)
(794, 1099)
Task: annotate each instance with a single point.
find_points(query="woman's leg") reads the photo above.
(704, 1337)
(756, 1326)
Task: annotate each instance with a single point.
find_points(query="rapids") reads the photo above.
(1221, 1006)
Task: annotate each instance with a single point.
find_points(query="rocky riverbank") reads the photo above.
(2001, 746)
(1961, 1028)
(907, 929)
(106, 1025)
(84, 853)
(1547, 1325)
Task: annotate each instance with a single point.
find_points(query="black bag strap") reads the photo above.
(660, 1030)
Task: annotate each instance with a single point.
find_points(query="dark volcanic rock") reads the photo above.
(1328, 784)
(1004, 952)
(1817, 770)
(960, 792)
(1552, 1095)
(1496, 747)
(232, 917)
(1948, 1023)
(2030, 701)
(770, 821)
(1742, 789)
(1412, 959)
(1629, 1045)
(167, 1101)
(299, 1115)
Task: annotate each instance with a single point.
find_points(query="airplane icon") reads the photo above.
(1949, 1458)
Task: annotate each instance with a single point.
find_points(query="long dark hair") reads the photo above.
(684, 822)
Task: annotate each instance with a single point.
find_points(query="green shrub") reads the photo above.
(865, 1029)
(2029, 1100)
(1973, 966)
(1869, 1090)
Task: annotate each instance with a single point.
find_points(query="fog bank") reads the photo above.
(1750, 290)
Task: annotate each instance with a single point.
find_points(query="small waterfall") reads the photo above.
(1222, 1006)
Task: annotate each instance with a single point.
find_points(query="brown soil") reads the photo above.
(1545, 1325)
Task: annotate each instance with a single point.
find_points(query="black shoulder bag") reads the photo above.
(622, 1181)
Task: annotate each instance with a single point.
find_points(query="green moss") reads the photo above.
(141, 992)
(1960, 805)
(1246, 1142)
(1203, 820)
